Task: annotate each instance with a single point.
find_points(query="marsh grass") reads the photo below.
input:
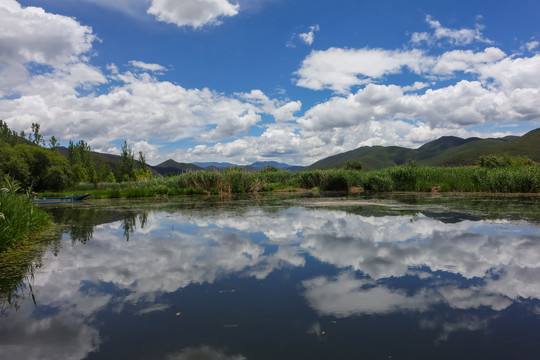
(510, 179)
(19, 218)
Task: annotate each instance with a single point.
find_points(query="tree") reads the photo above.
(53, 143)
(36, 136)
(73, 154)
(126, 170)
(142, 161)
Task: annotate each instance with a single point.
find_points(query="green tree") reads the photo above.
(14, 165)
(73, 153)
(78, 174)
(126, 169)
(9, 136)
(37, 139)
(53, 143)
(56, 178)
(142, 161)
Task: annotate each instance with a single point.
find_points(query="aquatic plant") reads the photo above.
(509, 179)
(19, 217)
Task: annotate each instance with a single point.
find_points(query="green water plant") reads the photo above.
(19, 218)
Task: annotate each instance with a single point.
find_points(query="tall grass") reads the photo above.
(512, 179)
(524, 179)
(19, 218)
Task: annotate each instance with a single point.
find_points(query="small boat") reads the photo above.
(61, 199)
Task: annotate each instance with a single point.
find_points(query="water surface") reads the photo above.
(319, 278)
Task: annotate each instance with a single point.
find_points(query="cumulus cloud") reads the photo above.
(194, 13)
(466, 60)
(32, 39)
(340, 69)
(47, 71)
(48, 77)
(286, 112)
(138, 105)
(462, 104)
(503, 88)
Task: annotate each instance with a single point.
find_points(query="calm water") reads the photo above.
(322, 278)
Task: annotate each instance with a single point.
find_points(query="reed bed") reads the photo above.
(19, 218)
(512, 179)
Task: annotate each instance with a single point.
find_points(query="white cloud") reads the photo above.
(513, 73)
(340, 69)
(466, 60)
(457, 37)
(194, 13)
(47, 77)
(502, 89)
(309, 37)
(418, 85)
(285, 112)
(231, 127)
(465, 103)
(138, 107)
(147, 66)
(532, 45)
(33, 38)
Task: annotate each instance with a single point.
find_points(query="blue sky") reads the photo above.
(253, 80)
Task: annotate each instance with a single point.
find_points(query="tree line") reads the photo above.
(26, 159)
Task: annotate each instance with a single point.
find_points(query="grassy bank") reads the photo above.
(511, 179)
(19, 218)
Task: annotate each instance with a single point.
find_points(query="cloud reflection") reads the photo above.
(174, 250)
(203, 353)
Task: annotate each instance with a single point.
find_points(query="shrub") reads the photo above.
(56, 178)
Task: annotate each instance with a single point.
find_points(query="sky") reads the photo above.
(292, 81)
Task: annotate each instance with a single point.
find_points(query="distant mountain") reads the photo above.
(445, 151)
(214, 164)
(263, 164)
(173, 167)
(258, 165)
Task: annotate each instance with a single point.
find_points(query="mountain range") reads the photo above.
(445, 151)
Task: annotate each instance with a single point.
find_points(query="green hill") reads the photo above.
(445, 151)
(172, 167)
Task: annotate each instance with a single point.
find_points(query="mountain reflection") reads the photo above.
(374, 260)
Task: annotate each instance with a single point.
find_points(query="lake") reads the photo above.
(395, 277)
